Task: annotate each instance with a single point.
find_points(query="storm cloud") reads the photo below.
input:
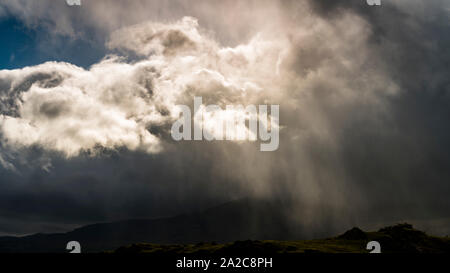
(363, 95)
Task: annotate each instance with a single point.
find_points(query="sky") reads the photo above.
(88, 95)
(25, 46)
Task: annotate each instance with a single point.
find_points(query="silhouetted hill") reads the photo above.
(238, 220)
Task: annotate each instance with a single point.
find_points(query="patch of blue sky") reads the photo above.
(22, 46)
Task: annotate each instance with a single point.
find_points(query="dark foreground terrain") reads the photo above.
(401, 238)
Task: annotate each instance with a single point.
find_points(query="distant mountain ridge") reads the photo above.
(245, 225)
(238, 220)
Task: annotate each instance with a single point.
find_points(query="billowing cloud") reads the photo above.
(65, 108)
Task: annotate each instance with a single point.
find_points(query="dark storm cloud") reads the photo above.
(364, 96)
(118, 185)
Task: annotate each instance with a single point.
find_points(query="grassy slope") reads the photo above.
(402, 238)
